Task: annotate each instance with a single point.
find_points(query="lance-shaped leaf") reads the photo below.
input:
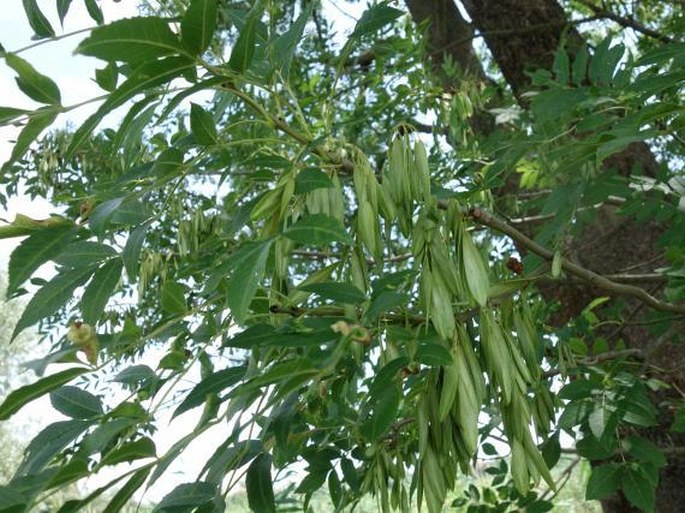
(24, 395)
(35, 126)
(34, 252)
(249, 263)
(244, 48)
(76, 403)
(375, 18)
(84, 253)
(260, 491)
(138, 449)
(318, 230)
(51, 297)
(202, 125)
(8, 114)
(212, 384)
(63, 9)
(124, 494)
(284, 46)
(35, 85)
(131, 40)
(95, 12)
(100, 289)
(50, 442)
(198, 25)
(145, 77)
(187, 497)
(385, 406)
(39, 23)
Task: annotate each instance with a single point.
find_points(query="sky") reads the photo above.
(74, 76)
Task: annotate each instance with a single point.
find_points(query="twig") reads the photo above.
(482, 217)
(600, 358)
(625, 22)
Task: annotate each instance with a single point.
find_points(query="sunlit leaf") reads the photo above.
(131, 40)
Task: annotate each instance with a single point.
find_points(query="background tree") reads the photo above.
(355, 292)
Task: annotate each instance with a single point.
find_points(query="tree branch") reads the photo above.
(484, 218)
(601, 358)
(625, 22)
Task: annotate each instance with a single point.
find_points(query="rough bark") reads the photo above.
(523, 36)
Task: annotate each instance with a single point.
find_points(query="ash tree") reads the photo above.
(453, 231)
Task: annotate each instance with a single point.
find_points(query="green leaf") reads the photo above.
(334, 488)
(84, 253)
(230, 455)
(169, 163)
(603, 482)
(101, 215)
(49, 443)
(260, 492)
(173, 298)
(212, 384)
(39, 23)
(244, 48)
(95, 12)
(383, 302)
(36, 86)
(678, 425)
(51, 297)
(387, 375)
(75, 403)
(34, 251)
(143, 78)
(135, 374)
(318, 230)
(375, 18)
(310, 179)
(106, 77)
(385, 408)
(131, 40)
(284, 46)
(8, 114)
(638, 489)
(24, 395)
(579, 71)
(644, 451)
(62, 9)
(136, 450)
(202, 125)
(340, 292)
(33, 128)
(131, 253)
(100, 289)
(246, 276)
(124, 494)
(429, 353)
(187, 495)
(198, 25)
(561, 66)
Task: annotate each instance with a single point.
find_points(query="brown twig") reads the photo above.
(482, 217)
(625, 22)
(600, 358)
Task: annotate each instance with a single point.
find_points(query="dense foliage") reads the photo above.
(338, 264)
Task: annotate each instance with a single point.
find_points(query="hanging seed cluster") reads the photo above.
(492, 365)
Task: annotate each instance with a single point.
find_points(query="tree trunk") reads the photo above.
(524, 36)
